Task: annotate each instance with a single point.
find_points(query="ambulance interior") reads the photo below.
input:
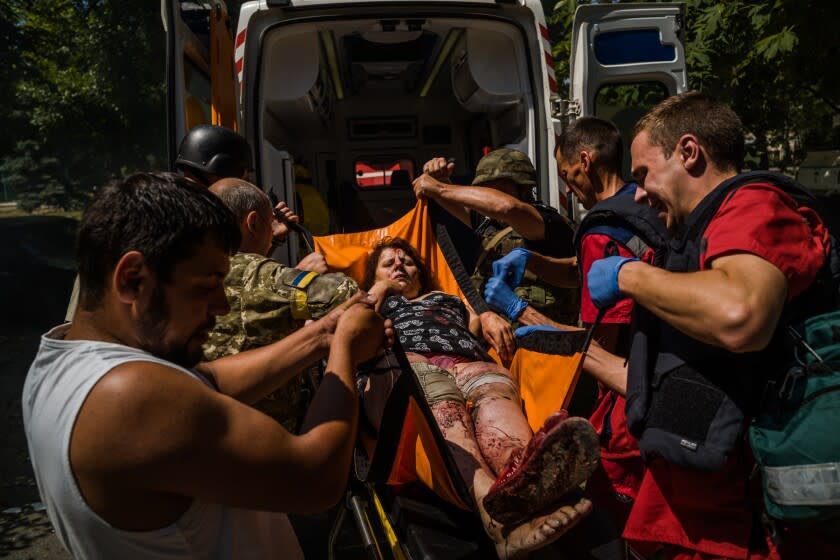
(362, 104)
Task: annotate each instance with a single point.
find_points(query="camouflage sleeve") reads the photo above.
(275, 289)
(323, 292)
(269, 300)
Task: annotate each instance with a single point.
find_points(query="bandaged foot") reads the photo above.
(538, 532)
(560, 456)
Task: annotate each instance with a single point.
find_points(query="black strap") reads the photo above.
(591, 333)
(606, 432)
(457, 267)
(611, 249)
(821, 295)
(393, 421)
(557, 343)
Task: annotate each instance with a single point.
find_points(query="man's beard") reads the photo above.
(152, 328)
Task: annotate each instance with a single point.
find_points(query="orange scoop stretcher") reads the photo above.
(409, 447)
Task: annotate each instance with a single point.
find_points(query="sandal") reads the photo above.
(560, 456)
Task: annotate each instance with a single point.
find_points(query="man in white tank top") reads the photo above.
(139, 451)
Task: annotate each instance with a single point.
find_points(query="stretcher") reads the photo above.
(407, 499)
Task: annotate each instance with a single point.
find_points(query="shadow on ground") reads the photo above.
(29, 536)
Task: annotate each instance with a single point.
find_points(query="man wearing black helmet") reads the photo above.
(209, 153)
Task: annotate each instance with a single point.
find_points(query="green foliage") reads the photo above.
(771, 61)
(87, 95)
(38, 179)
(631, 95)
(559, 22)
(83, 95)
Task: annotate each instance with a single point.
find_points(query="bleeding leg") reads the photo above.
(448, 407)
(500, 425)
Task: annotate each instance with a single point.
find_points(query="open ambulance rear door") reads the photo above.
(199, 68)
(626, 58)
(363, 93)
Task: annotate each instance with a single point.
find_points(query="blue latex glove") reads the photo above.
(500, 297)
(525, 331)
(603, 281)
(511, 267)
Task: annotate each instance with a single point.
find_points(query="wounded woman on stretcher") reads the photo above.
(519, 480)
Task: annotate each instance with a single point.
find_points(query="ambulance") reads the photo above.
(362, 93)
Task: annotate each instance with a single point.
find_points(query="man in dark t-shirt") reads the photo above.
(501, 208)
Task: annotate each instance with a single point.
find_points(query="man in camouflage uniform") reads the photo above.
(502, 209)
(268, 300)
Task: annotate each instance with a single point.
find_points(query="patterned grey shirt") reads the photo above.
(436, 324)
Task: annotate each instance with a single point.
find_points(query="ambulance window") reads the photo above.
(378, 174)
(624, 104)
(632, 46)
(198, 94)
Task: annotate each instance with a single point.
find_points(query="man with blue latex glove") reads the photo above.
(501, 297)
(512, 266)
(603, 281)
(708, 330)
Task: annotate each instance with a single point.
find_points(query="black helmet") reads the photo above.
(214, 150)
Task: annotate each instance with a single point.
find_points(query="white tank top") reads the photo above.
(62, 375)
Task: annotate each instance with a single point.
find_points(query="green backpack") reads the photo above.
(796, 439)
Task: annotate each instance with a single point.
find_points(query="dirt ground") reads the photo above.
(29, 536)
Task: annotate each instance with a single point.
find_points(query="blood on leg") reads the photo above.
(501, 427)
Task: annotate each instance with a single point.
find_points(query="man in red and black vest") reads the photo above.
(742, 252)
(589, 161)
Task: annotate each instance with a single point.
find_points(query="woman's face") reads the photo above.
(395, 265)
